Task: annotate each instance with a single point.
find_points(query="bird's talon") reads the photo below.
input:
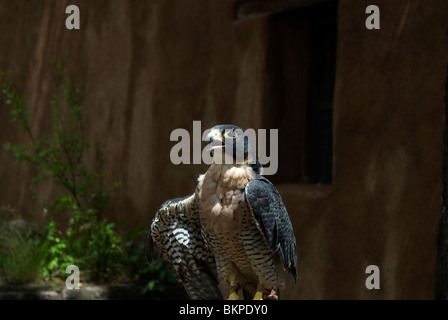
(234, 296)
(234, 287)
(258, 295)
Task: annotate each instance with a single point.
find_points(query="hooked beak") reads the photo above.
(213, 141)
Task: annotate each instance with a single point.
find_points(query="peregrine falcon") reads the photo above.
(232, 233)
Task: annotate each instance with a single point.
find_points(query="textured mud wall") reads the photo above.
(149, 67)
(388, 140)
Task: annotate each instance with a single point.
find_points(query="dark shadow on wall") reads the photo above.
(441, 281)
(301, 63)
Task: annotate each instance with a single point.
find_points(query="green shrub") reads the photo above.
(60, 156)
(19, 256)
(90, 241)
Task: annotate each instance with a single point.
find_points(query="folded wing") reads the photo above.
(273, 220)
(176, 235)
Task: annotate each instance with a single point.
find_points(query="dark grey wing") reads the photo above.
(176, 235)
(270, 213)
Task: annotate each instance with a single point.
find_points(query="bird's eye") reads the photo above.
(230, 134)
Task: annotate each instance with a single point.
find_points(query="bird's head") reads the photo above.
(235, 146)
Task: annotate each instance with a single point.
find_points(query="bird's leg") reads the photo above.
(234, 288)
(259, 293)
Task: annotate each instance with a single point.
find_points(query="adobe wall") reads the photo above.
(150, 67)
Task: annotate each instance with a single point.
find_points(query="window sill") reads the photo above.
(305, 191)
